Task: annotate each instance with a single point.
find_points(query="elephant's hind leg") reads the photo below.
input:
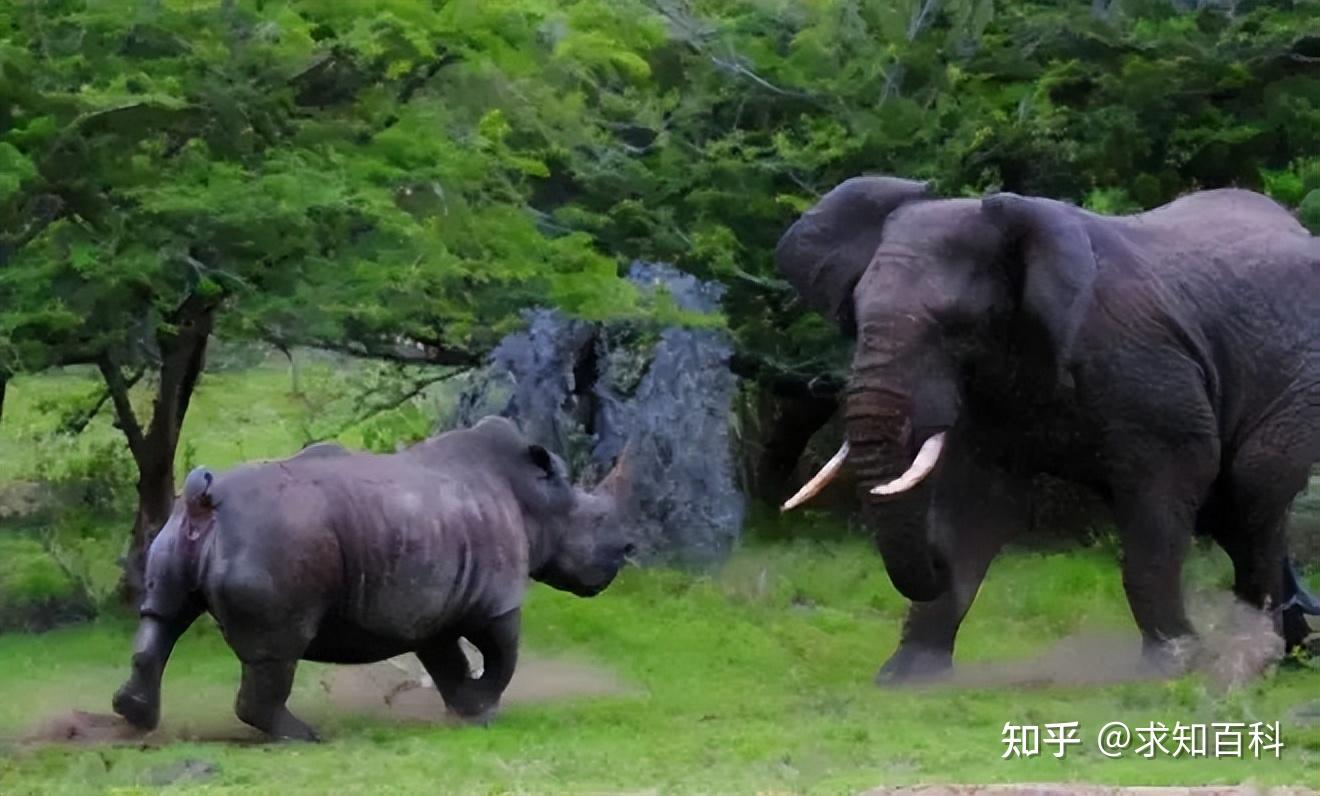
(1265, 478)
(1158, 489)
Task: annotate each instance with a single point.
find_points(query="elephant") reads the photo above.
(348, 557)
(1167, 360)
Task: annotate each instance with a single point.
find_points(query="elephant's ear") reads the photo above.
(1059, 267)
(827, 250)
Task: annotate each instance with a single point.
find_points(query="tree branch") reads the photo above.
(78, 422)
(692, 34)
(416, 388)
(736, 68)
(117, 388)
(45, 209)
(423, 353)
(921, 18)
(421, 75)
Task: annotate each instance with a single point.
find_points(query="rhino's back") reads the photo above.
(376, 545)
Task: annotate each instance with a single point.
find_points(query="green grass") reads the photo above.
(756, 679)
(753, 679)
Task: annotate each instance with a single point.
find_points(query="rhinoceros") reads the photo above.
(351, 557)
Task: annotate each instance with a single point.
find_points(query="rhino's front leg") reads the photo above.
(138, 699)
(261, 700)
(475, 699)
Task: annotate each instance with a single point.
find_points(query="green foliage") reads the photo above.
(409, 424)
(345, 173)
(87, 548)
(35, 591)
(97, 476)
(1308, 211)
(30, 575)
(352, 172)
(1292, 184)
(1118, 106)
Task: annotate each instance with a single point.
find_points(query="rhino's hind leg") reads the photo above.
(261, 700)
(138, 699)
(475, 699)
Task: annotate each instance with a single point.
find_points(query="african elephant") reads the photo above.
(346, 557)
(1169, 360)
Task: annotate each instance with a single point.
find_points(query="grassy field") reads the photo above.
(753, 679)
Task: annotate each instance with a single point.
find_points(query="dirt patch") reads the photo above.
(372, 690)
(1072, 789)
(1238, 645)
(381, 689)
(81, 728)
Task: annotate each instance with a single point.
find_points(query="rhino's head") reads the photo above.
(576, 537)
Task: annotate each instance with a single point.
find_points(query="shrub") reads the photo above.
(1308, 212)
(99, 476)
(36, 591)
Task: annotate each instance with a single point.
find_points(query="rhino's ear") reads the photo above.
(1058, 263)
(541, 458)
(827, 250)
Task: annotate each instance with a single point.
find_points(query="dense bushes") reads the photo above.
(36, 593)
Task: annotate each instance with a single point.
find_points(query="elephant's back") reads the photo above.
(1226, 223)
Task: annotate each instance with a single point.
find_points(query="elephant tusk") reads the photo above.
(818, 482)
(921, 467)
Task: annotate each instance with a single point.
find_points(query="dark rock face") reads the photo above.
(588, 390)
(533, 378)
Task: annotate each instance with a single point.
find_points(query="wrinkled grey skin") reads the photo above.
(349, 557)
(1170, 360)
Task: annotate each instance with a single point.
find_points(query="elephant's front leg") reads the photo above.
(475, 698)
(974, 512)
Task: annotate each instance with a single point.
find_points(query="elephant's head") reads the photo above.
(929, 288)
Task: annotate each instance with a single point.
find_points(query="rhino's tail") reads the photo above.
(197, 491)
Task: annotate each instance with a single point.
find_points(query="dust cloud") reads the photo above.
(1238, 645)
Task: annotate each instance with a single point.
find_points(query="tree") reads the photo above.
(299, 172)
(400, 179)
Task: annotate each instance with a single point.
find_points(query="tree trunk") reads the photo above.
(294, 382)
(785, 424)
(155, 489)
(4, 388)
(182, 355)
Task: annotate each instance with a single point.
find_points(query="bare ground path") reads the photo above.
(371, 690)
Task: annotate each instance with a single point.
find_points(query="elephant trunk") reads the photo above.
(877, 431)
(885, 430)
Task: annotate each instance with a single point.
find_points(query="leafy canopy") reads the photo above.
(353, 172)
